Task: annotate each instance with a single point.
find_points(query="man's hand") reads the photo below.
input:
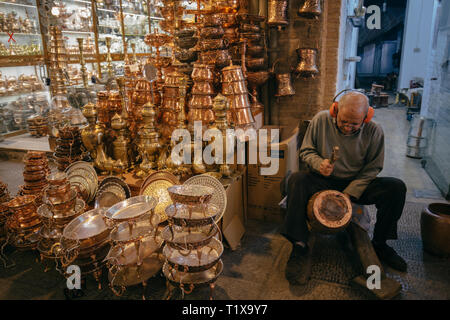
(326, 168)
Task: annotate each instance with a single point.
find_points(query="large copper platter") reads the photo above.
(132, 208)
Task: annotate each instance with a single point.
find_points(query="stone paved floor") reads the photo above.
(261, 267)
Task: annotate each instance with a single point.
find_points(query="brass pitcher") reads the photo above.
(310, 9)
(307, 66)
(277, 13)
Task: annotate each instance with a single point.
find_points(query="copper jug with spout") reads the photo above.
(277, 13)
(310, 9)
(307, 66)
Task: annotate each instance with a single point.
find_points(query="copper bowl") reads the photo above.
(238, 101)
(61, 205)
(35, 155)
(235, 87)
(203, 72)
(204, 115)
(33, 168)
(21, 203)
(57, 191)
(203, 87)
(211, 32)
(200, 101)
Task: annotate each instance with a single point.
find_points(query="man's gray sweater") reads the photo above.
(361, 155)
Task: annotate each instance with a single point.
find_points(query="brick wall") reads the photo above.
(312, 95)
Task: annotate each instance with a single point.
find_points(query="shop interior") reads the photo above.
(94, 94)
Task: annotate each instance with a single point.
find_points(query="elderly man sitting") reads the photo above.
(361, 155)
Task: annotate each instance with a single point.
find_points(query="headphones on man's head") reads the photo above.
(335, 107)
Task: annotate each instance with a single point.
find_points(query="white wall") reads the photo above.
(416, 40)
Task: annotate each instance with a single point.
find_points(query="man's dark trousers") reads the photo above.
(388, 194)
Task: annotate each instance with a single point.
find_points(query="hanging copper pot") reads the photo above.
(277, 13)
(310, 9)
(307, 66)
(284, 85)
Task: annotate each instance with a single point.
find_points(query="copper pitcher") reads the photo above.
(307, 66)
(284, 85)
(277, 13)
(310, 9)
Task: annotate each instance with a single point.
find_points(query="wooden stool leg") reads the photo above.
(306, 271)
(389, 288)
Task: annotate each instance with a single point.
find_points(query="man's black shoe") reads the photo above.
(298, 248)
(388, 255)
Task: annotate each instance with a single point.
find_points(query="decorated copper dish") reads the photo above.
(219, 196)
(119, 181)
(156, 185)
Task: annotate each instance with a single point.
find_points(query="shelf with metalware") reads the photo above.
(21, 60)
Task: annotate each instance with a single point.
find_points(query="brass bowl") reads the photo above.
(219, 58)
(185, 33)
(252, 37)
(186, 55)
(255, 64)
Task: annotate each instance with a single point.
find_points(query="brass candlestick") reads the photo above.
(82, 63)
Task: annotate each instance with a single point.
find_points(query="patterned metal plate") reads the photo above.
(156, 185)
(219, 198)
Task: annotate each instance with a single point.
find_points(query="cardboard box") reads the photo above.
(233, 220)
(264, 190)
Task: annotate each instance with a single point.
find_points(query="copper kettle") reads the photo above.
(277, 13)
(307, 65)
(284, 82)
(310, 9)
